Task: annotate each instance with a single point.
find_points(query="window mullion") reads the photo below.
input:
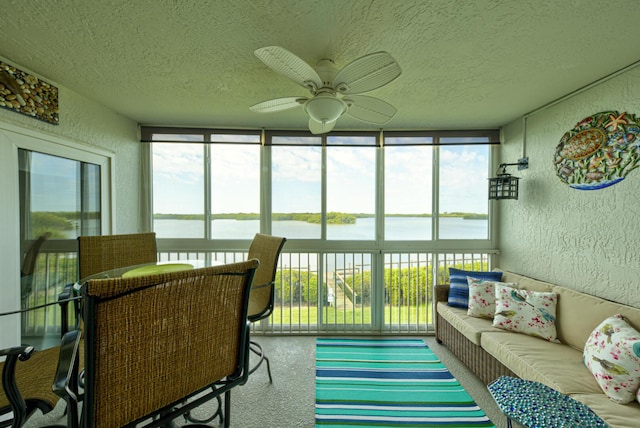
(323, 190)
(207, 191)
(435, 194)
(265, 189)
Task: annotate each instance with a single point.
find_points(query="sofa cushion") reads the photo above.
(616, 415)
(459, 288)
(553, 364)
(574, 327)
(470, 327)
(526, 311)
(482, 297)
(612, 354)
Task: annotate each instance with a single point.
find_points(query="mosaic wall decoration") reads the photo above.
(599, 151)
(27, 94)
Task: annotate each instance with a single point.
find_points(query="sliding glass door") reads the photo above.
(60, 199)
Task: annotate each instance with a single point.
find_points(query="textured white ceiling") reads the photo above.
(466, 63)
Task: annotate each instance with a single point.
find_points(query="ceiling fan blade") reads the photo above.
(369, 109)
(320, 127)
(289, 65)
(278, 104)
(367, 73)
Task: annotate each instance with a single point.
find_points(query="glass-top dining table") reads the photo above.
(147, 269)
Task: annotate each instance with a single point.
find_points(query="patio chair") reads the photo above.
(158, 346)
(100, 253)
(105, 252)
(266, 249)
(28, 378)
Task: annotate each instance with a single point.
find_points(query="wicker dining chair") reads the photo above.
(100, 253)
(158, 346)
(106, 252)
(28, 378)
(266, 249)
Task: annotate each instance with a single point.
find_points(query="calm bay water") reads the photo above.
(397, 228)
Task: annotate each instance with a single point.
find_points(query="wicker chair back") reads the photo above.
(101, 253)
(153, 341)
(266, 249)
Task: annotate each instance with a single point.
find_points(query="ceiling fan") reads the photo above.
(333, 92)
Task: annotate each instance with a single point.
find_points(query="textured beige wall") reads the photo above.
(586, 240)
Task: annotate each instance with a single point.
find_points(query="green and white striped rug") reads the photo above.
(389, 383)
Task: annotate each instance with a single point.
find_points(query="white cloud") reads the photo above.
(181, 162)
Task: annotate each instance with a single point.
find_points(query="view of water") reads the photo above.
(397, 228)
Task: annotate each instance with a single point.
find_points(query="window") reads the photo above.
(235, 191)
(206, 184)
(411, 186)
(408, 174)
(58, 195)
(296, 195)
(463, 191)
(351, 188)
(178, 190)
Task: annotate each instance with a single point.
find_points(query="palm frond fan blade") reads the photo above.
(289, 65)
(367, 73)
(320, 127)
(278, 104)
(370, 109)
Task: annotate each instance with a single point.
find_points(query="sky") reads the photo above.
(54, 183)
(296, 177)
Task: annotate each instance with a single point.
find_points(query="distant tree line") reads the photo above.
(332, 217)
(57, 222)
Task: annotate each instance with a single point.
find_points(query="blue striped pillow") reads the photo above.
(459, 287)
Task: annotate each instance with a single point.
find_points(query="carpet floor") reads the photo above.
(289, 402)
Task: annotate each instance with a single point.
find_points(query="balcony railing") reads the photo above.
(317, 292)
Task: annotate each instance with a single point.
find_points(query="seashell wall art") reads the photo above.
(27, 94)
(599, 151)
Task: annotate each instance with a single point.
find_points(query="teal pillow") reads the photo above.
(459, 287)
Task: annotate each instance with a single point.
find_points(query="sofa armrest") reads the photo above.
(441, 293)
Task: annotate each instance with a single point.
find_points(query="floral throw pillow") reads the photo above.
(459, 288)
(612, 354)
(482, 297)
(526, 311)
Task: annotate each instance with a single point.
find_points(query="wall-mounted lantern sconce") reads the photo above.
(505, 186)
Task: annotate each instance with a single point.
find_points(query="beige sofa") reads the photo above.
(491, 352)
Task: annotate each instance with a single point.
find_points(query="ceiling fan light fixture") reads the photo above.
(325, 108)
(328, 86)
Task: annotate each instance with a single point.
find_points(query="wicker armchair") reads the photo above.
(158, 346)
(267, 250)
